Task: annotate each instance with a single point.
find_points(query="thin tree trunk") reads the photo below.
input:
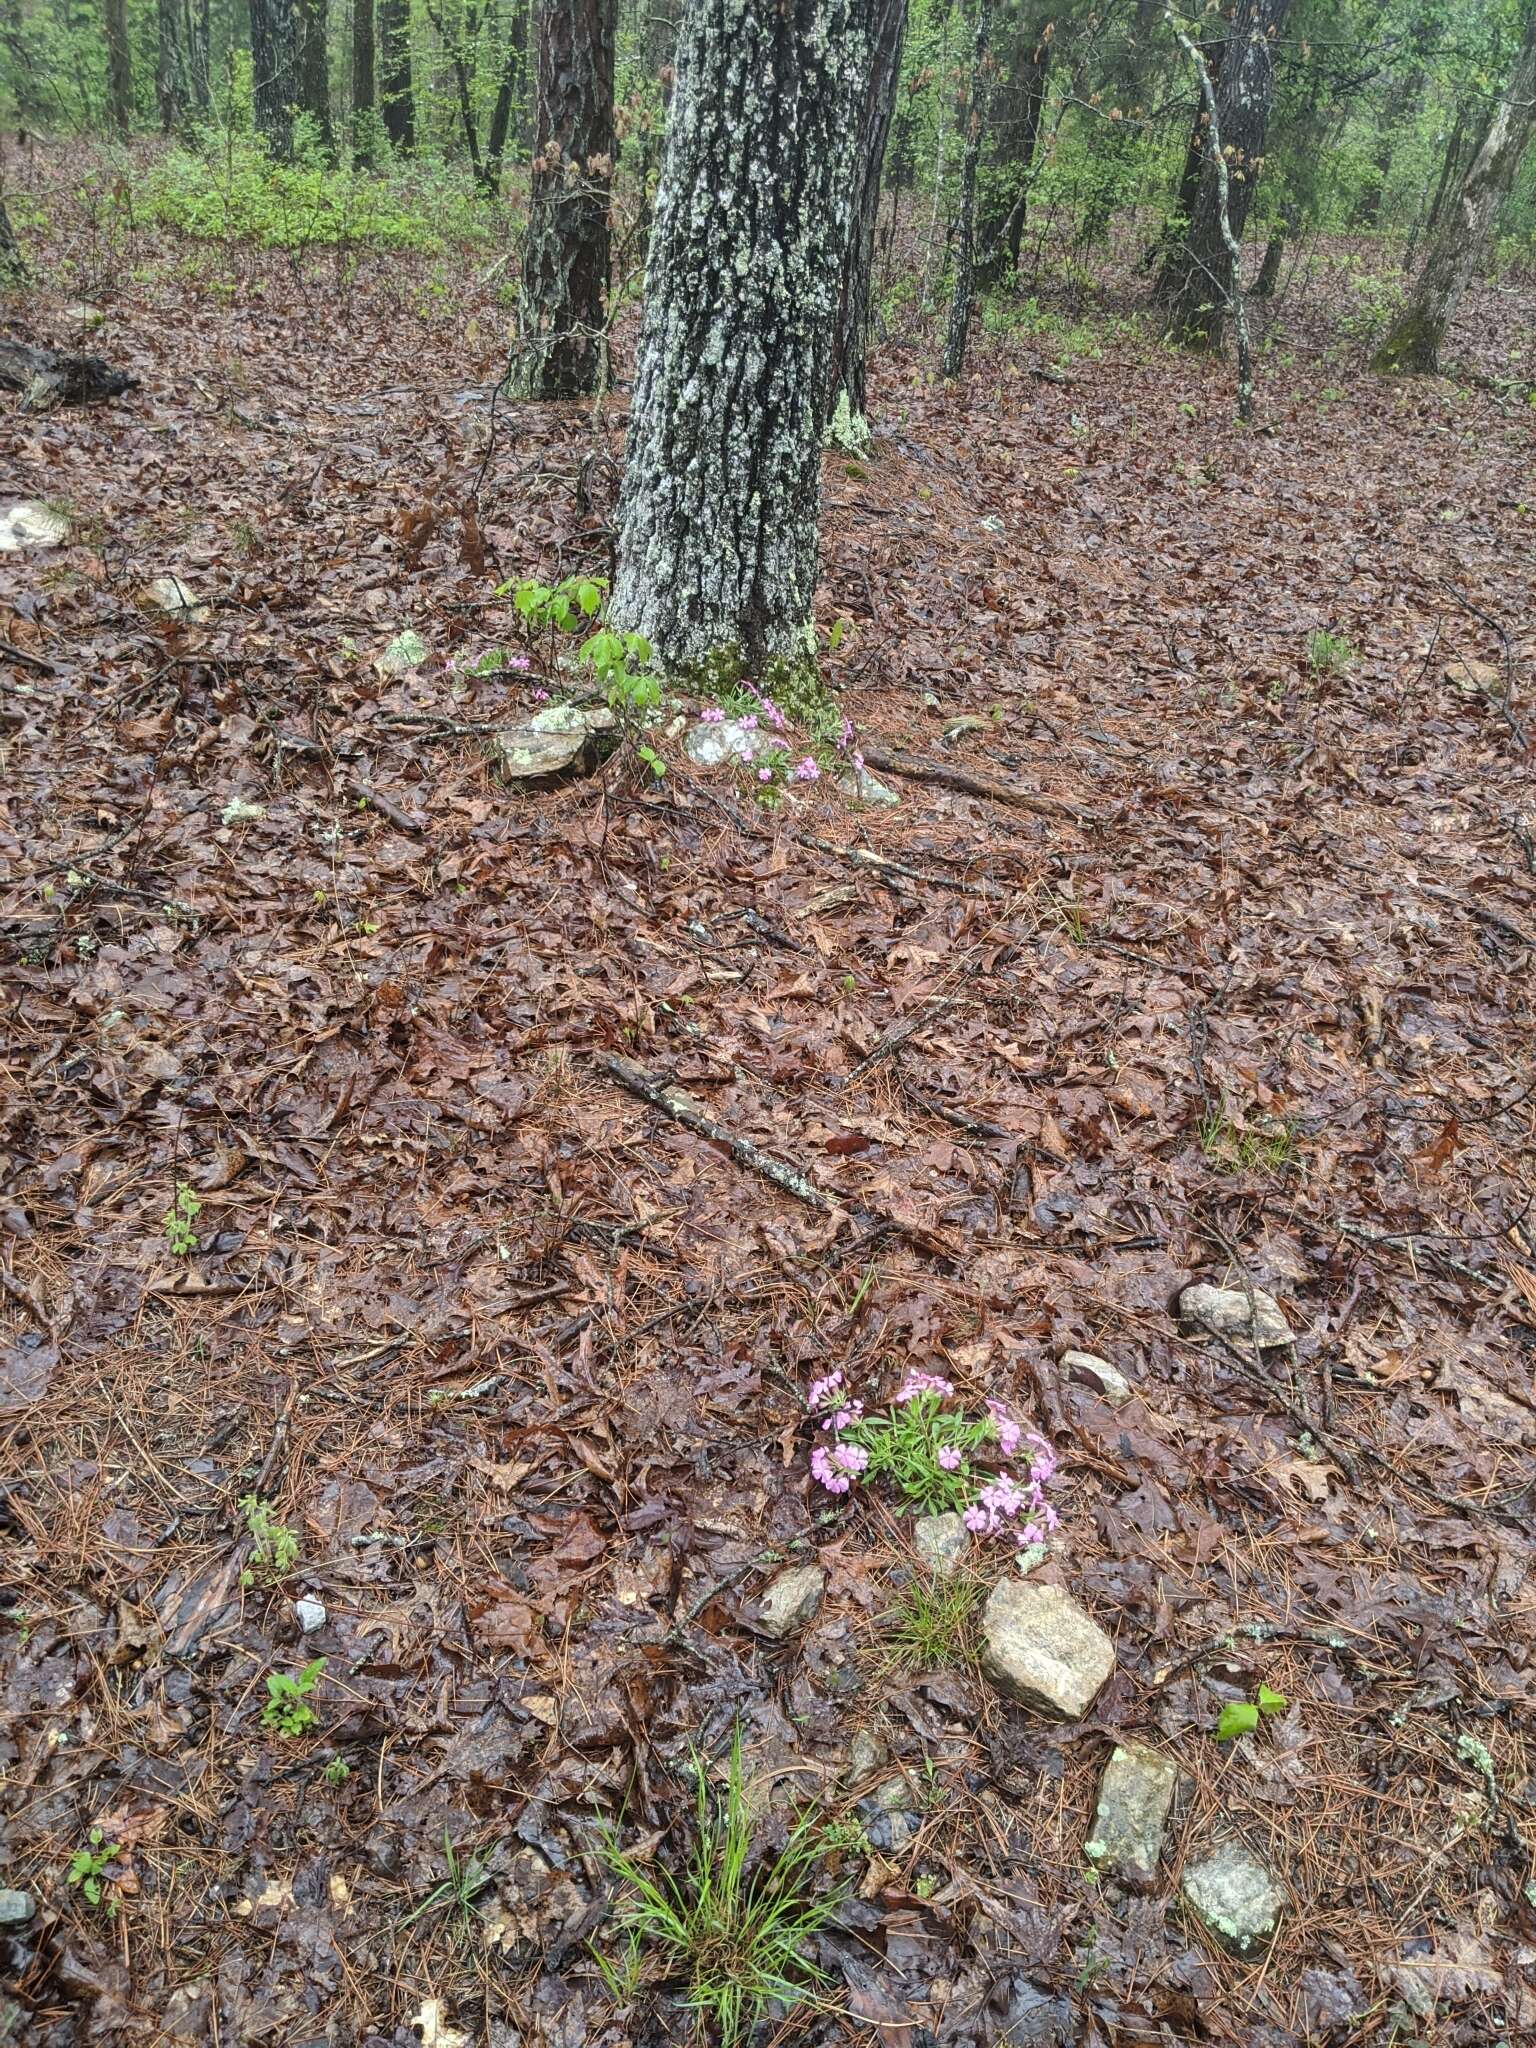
(563, 311)
(1461, 240)
(13, 265)
(364, 86)
(1274, 255)
(168, 65)
(1162, 251)
(508, 93)
(965, 254)
(314, 72)
(274, 73)
(119, 69)
(1232, 292)
(850, 335)
(192, 34)
(399, 105)
(1000, 234)
(1194, 280)
(718, 515)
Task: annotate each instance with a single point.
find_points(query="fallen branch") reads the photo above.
(882, 864)
(915, 769)
(47, 377)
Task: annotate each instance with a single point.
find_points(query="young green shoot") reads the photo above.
(88, 1866)
(287, 1711)
(274, 1546)
(1241, 1717)
(457, 1891)
(178, 1221)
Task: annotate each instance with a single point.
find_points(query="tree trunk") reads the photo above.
(1461, 241)
(850, 335)
(718, 515)
(169, 65)
(192, 35)
(1193, 280)
(965, 226)
(314, 72)
(119, 69)
(13, 265)
(1274, 255)
(399, 106)
(24, 78)
(508, 93)
(1000, 229)
(563, 311)
(364, 87)
(1113, 137)
(274, 73)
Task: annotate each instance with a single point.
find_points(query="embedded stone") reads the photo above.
(1135, 1795)
(1236, 1897)
(1230, 1313)
(16, 1908)
(559, 737)
(791, 1601)
(1107, 1382)
(1043, 1649)
(309, 1612)
(714, 741)
(942, 1542)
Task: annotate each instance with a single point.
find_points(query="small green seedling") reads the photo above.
(88, 1866)
(337, 1771)
(458, 1890)
(287, 1711)
(1241, 1717)
(274, 1546)
(1328, 653)
(180, 1237)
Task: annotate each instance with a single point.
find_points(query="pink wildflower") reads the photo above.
(520, 662)
(748, 721)
(1008, 1431)
(922, 1383)
(711, 714)
(1031, 1533)
(850, 1457)
(807, 771)
(949, 1458)
(765, 775)
(845, 737)
(820, 1391)
(823, 1474)
(541, 696)
(1042, 1459)
(858, 762)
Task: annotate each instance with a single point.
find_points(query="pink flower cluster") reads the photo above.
(917, 1383)
(807, 771)
(1001, 1503)
(837, 1469)
(711, 714)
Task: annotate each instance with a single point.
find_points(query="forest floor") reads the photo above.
(522, 1362)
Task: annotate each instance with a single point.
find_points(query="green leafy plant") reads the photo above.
(931, 1621)
(274, 1546)
(177, 1222)
(88, 1866)
(287, 1711)
(1241, 1717)
(337, 1771)
(732, 1925)
(1236, 1149)
(457, 1891)
(1328, 653)
(618, 662)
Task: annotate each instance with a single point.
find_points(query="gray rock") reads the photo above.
(30, 525)
(708, 744)
(560, 736)
(309, 1612)
(1041, 1648)
(406, 651)
(1106, 1380)
(16, 1908)
(942, 1542)
(866, 1753)
(1236, 1896)
(1227, 1311)
(791, 1601)
(1135, 1794)
(865, 788)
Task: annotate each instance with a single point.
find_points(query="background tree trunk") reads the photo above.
(563, 314)
(1193, 280)
(1000, 227)
(1461, 240)
(718, 515)
(509, 93)
(119, 69)
(314, 71)
(13, 265)
(850, 336)
(965, 227)
(168, 65)
(274, 73)
(364, 87)
(399, 103)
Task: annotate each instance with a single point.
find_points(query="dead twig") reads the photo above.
(913, 768)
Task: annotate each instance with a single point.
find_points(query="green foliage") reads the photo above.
(906, 1442)
(1234, 1148)
(274, 1546)
(618, 662)
(287, 1711)
(337, 1771)
(1328, 653)
(1241, 1717)
(458, 1891)
(177, 1222)
(733, 1925)
(931, 1621)
(88, 1866)
(229, 190)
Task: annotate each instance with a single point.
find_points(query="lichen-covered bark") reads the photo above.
(275, 72)
(1461, 240)
(563, 310)
(13, 265)
(1194, 278)
(396, 100)
(1015, 138)
(850, 335)
(965, 226)
(717, 520)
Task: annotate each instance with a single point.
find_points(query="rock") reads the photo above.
(1041, 1648)
(791, 1601)
(942, 1542)
(29, 525)
(559, 737)
(1135, 1794)
(1226, 1310)
(1236, 1897)
(16, 1908)
(88, 317)
(711, 742)
(309, 1613)
(1108, 1383)
(238, 811)
(406, 651)
(1470, 678)
(866, 1753)
(865, 788)
(171, 595)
